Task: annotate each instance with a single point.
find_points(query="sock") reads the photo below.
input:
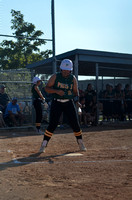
(46, 138)
(47, 135)
(78, 135)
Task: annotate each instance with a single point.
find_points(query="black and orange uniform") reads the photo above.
(63, 104)
(38, 107)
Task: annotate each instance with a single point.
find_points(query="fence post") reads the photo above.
(76, 66)
(33, 111)
(97, 96)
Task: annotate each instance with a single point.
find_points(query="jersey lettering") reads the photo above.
(64, 86)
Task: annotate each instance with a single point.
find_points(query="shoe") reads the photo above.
(43, 146)
(42, 149)
(39, 132)
(81, 145)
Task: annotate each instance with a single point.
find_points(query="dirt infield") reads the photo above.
(104, 172)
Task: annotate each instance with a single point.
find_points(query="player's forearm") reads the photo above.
(75, 92)
(40, 94)
(50, 90)
(75, 87)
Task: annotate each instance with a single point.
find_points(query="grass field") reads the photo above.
(104, 172)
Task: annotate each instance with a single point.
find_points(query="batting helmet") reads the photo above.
(35, 79)
(66, 64)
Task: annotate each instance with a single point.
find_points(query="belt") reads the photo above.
(62, 100)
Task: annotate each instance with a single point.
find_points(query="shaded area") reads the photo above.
(33, 158)
(31, 132)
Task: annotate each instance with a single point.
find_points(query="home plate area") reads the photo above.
(73, 154)
(39, 158)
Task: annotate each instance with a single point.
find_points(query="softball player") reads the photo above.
(64, 88)
(37, 100)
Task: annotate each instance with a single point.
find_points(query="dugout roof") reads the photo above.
(109, 63)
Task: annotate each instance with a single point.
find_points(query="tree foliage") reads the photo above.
(25, 49)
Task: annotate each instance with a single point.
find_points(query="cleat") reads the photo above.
(81, 145)
(43, 146)
(42, 149)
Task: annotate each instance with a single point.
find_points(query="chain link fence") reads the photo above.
(18, 84)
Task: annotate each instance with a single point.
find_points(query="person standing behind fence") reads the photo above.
(64, 88)
(128, 101)
(4, 99)
(89, 94)
(119, 102)
(109, 96)
(37, 101)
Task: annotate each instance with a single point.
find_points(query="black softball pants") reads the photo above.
(68, 108)
(38, 110)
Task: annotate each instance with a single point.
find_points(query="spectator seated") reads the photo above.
(13, 114)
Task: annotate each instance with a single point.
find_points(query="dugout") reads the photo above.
(90, 63)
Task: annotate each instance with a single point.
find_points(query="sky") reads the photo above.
(104, 25)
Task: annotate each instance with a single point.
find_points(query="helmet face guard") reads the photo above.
(66, 64)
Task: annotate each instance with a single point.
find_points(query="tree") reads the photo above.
(25, 49)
